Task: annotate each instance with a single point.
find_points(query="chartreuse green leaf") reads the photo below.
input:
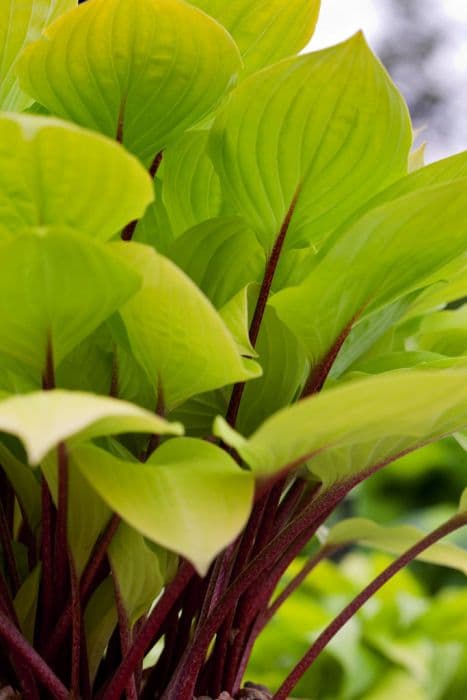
(190, 497)
(236, 316)
(56, 287)
(53, 173)
(21, 23)
(285, 367)
(148, 73)
(100, 620)
(265, 30)
(318, 134)
(443, 332)
(463, 502)
(24, 483)
(175, 333)
(43, 419)
(140, 583)
(87, 513)
(395, 540)
(374, 262)
(221, 256)
(353, 427)
(191, 189)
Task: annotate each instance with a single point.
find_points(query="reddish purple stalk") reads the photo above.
(270, 271)
(352, 608)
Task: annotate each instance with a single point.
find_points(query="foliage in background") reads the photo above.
(222, 282)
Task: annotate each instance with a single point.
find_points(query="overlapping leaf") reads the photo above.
(191, 188)
(148, 73)
(190, 497)
(138, 584)
(43, 419)
(265, 30)
(56, 287)
(374, 262)
(221, 255)
(53, 173)
(175, 333)
(356, 426)
(324, 131)
(21, 23)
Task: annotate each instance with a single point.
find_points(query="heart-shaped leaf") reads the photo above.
(358, 425)
(190, 497)
(313, 137)
(148, 73)
(175, 333)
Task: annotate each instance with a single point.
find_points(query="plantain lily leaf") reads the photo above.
(147, 74)
(46, 303)
(175, 333)
(53, 173)
(21, 23)
(265, 30)
(207, 251)
(100, 620)
(191, 497)
(443, 332)
(138, 584)
(43, 419)
(315, 135)
(357, 426)
(235, 315)
(373, 263)
(395, 540)
(191, 189)
(285, 367)
(154, 228)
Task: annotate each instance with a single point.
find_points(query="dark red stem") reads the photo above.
(61, 567)
(352, 608)
(18, 645)
(145, 636)
(9, 556)
(125, 635)
(269, 273)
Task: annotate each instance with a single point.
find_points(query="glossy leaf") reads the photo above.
(191, 497)
(140, 583)
(395, 540)
(147, 74)
(54, 173)
(265, 30)
(375, 262)
(21, 23)
(43, 419)
(175, 333)
(356, 426)
(324, 131)
(44, 302)
(221, 256)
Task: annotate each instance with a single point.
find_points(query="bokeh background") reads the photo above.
(423, 43)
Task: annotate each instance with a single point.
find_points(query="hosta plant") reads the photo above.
(222, 276)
